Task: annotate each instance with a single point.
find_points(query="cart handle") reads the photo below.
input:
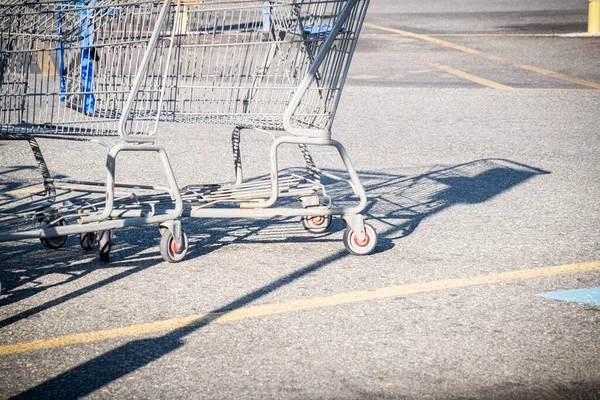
(311, 76)
(131, 98)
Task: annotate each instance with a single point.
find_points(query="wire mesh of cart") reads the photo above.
(81, 70)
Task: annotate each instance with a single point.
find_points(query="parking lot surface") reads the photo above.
(474, 128)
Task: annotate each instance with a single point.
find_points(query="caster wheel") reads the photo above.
(169, 250)
(316, 224)
(355, 246)
(54, 242)
(104, 245)
(87, 240)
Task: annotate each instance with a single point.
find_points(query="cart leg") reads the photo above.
(354, 180)
(174, 227)
(356, 223)
(111, 161)
(237, 156)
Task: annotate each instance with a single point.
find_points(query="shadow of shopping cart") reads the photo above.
(398, 204)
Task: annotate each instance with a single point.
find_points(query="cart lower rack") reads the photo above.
(82, 70)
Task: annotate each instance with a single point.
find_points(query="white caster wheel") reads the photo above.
(357, 247)
(54, 242)
(169, 250)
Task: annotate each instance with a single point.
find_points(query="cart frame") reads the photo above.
(359, 238)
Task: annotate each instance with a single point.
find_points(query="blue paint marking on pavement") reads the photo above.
(589, 296)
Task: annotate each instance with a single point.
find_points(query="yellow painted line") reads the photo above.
(472, 34)
(470, 77)
(496, 35)
(34, 189)
(27, 190)
(492, 57)
(298, 305)
(556, 75)
(425, 37)
(594, 16)
(559, 89)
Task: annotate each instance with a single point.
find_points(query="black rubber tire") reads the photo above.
(353, 246)
(87, 240)
(168, 249)
(316, 224)
(104, 245)
(54, 242)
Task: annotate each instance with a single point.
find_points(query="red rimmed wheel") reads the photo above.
(169, 250)
(318, 224)
(360, 247)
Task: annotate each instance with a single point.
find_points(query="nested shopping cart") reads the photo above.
(84, 70)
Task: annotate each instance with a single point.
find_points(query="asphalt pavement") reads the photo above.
(474, 128)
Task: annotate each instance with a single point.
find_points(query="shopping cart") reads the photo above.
(80, 70)
(70, 70)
